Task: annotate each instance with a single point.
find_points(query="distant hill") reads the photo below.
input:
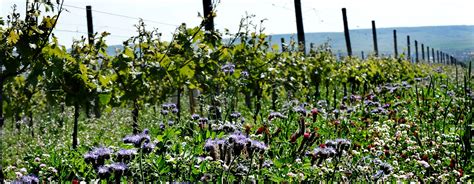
(456, 40)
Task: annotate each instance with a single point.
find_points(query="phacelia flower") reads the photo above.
(195, 116)
(103, 172)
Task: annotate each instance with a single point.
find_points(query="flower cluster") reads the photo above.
(166, 108)
(28, 179)
(331, 148)
(244, 74)
(228, 69)
(233, 146)
(384, 169)
(141, 140)
(276, 115)
(137, 139)
(97, 156)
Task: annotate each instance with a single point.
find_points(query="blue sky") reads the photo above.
(319, 16)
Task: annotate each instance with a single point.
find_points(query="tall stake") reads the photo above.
(422, 52)
(433, 53)
(416, 51)
(442, 57)
(207, 7)
(395, 47)
(437, 56)
(299, 26)
(90, 26)
(428, 54)
(408, 48)
(374, 34)
(209, 26)
(346, 32)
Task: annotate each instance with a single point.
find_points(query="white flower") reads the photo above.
(301, 176)
(291, 175)
(18, 174)
(395, 163)
(424, 164)
(457, 172)
(23, 170)
(298, 160)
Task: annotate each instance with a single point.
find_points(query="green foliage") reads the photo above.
(389, 109)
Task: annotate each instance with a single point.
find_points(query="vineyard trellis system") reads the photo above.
(256, 112)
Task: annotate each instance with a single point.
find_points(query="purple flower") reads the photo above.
(267, 163)
(164, 112)
(228, 68)
(168, 106)
(210, 145)
(165, 106)
(355, 98)
(258, 146)
(324, 152)
(29, 179)
(175, 110)
(203, 120)
(235, 115)
(301, 110)
(405, 84)
(172, 105)
(378, 174)
(450, 93)
(343, 142)
(102, 152)
(136, 139)
(148, 147)
(244, 74)
(386, 168)
(119, 168)
(195, 116)
(226, 128)
(322, 103)
(126, 154)
(275, 115)
(331, 143)
(103, 172)
(98, 154)
(90, 157)
(237, 136)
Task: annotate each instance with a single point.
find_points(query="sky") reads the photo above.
(119, 16)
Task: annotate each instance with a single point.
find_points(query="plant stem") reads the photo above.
(250, 169)
(141, 166)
